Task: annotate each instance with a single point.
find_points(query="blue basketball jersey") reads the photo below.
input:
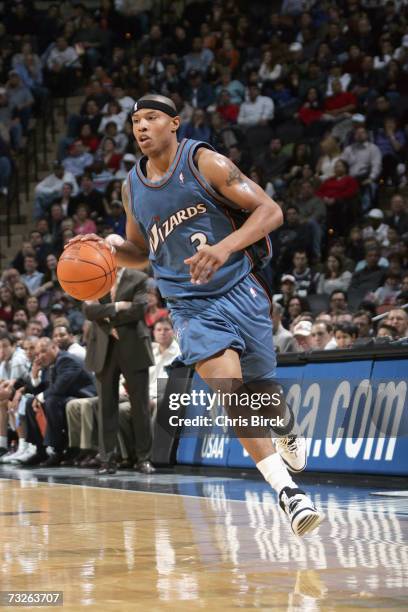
(179, 214)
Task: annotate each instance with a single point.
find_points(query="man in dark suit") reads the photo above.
(66, 378)
(119, 342)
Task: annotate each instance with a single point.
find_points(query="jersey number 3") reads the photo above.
(198, 240)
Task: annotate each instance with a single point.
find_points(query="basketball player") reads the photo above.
(179, 200)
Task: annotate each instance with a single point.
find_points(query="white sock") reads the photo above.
(3, 441)
(275, 472)
(21, 444)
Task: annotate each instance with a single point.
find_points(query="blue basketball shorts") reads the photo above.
(239, 319)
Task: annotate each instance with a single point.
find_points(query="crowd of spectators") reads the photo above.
(309, 99)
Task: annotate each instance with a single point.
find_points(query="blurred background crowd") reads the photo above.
(308, 98)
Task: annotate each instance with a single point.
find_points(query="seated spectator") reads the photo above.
(83, 225)
(295, 307)
(61, 65)
(69, 379)
(50, 188)
(120, 139)
(388, 292)
(377, 228)
(127, 163)
(108, 154)
(287, 288)
(322, 337)
(6, 304)
(65, 341)
(398, 318)
(333, 277)
(345, 334)
(385, 330)
(154, 309)
(34, 313)
(391, 142)
(198, 128)
(331, 152)
(355, 243)
(77, 159)
(11, 132)
(337, 193)
(114, 114)
(274, 162)
(90, 196)
(165, 350)
(13, 365)
(116, 219)
(199, 59)
(228, 111)
(338, 302)
(302, 274)
(302, 333)
(370, 277)
(269, 70)
(283, 340)
(291, 236)
(364, 162)
(89, 141)
(20, 294)
(34, 329)
(301, 156)
(371, 243)
(198, 93)
(20, 99)
(257, 111)
(235, 88)
(228, 55)
(340, 104)
(32, 278)
(398, 215)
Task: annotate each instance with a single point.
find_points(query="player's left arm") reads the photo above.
(265, 214)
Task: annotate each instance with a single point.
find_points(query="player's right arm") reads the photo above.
(130, 253)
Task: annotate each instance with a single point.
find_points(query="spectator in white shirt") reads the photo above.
(258, 110)
(62, 56)
(50, 188)
(322, 336)
(363, 157)
(165, 350)
(377, 229)
(63, 338)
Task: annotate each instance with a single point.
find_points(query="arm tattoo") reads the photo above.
(234, 176)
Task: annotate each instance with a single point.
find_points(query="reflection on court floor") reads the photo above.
(194, 541)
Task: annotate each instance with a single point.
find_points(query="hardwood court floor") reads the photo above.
(216, 543)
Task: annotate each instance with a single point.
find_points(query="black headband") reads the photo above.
(155, 105)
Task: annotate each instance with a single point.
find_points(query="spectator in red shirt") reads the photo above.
(225, 108)
(311, 109)
(336, 192)
(110, 157)
(341, 104)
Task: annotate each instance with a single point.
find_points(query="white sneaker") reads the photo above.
(5, 458)
(28, 453)
(22, 448)
(293, 452)
(300, 510)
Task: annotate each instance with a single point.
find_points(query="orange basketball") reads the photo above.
(87, 270)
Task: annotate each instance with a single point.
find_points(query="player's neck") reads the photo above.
(158, 165)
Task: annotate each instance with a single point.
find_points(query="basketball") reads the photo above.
(87, 270)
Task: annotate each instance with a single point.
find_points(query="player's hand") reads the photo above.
(114, 240)
(206, 262)
(83, 237)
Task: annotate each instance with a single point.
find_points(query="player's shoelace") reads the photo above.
(290, 443)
